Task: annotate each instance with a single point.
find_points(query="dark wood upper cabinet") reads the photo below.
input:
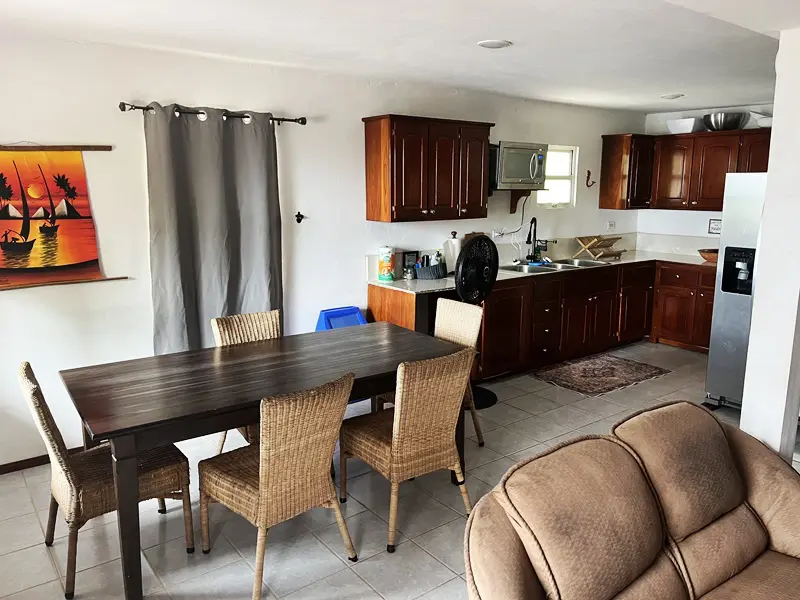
(754, 152)
(443, 170)
(420, 169)
(474, 171)
(714, 157)
(410, 170)
(627, 171)
(673, 165)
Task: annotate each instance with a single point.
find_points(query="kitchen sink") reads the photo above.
(577, 262)
(558, 266)
(528, 269)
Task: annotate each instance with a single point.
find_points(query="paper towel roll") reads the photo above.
(451, 249)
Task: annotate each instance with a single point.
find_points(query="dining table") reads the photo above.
(144, 403)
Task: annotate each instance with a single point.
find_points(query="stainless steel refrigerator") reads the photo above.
(733, 295)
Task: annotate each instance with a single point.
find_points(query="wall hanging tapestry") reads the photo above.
(47, 232)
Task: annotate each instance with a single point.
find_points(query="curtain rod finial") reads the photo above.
(123, 106)
(302, 121)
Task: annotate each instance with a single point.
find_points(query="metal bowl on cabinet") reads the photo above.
(724, 121)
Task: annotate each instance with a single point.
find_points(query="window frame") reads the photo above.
(573, 179)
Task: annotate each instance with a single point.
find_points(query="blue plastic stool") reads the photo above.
(336, 318)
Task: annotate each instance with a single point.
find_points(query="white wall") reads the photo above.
(68, 93)
(771, 398)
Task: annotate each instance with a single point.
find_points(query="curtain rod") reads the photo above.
(126, 106)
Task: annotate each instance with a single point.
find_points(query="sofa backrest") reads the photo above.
(590, 523)
(712, 532)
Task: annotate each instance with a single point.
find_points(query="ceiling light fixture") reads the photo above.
(672, 96)
(494, 44)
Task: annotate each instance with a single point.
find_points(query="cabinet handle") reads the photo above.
(546, 310)
(463, 210)
(701, 295)
(677, 276)
(547, 331)
(424, 211)
(544, 349)
(691, 293)
(686, 203)
(433, 212)
(694, 202)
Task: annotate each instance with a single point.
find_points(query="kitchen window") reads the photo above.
(560, 177)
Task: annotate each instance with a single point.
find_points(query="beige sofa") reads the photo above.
(674, 505)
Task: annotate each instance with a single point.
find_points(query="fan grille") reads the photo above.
(476, 269)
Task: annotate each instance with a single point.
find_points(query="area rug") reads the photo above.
(599, 374)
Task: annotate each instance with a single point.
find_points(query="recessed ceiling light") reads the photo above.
(672, 96)
(494, 44)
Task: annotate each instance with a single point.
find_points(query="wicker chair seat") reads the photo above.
(370, 438)
(160, 476)
(232, 479)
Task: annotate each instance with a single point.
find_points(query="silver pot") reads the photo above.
(725, 121)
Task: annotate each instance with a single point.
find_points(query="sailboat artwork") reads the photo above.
(65, 249)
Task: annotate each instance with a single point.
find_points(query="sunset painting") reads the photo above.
(47, 232)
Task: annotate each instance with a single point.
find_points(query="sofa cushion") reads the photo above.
(687, 458)
(773, 490)
(659, 582)
(495, 559)
(587, 518)
(772, 576)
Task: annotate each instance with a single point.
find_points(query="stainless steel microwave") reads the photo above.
(517, 166)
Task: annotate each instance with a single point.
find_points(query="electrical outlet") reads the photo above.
(611, 225)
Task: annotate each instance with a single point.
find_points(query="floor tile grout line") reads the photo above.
(439, 586)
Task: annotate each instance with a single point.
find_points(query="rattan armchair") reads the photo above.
(287, 473)
(417, 436)
(82, 483)
(241, 329)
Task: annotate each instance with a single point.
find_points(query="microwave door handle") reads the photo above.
(533, 167)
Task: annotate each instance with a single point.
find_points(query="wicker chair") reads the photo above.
(417, 436)
(287, 474)
(82, 483)
(241, 329)
(459, 323)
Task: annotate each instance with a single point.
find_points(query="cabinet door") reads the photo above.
(602, 324)
(443, 170)
(635, 312)
(506, 330)
(704, 308)
(409, 170)
(575, 319)
(674, 167)
(474, 172)
(754, 152)
(640, 174)
(714, 157)
(675, 310)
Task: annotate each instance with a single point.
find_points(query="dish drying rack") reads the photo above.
(598, 246)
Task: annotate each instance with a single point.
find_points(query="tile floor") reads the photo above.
(305, 559)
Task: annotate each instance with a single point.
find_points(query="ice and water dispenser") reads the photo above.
(737, 270)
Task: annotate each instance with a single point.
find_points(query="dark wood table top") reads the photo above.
(122, 398)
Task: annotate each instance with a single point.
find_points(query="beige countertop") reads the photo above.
(429, 286)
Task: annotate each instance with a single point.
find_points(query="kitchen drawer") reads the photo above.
(546, 335)
(547, 290)
(708, 277)
(544, 356)
(678, 276)
(638, 275)
(590, 281)
(546, 312)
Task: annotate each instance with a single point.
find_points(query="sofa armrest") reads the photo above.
(773, 490)
(497, 565)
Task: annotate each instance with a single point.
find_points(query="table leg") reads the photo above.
(126, 481)
(459, 444)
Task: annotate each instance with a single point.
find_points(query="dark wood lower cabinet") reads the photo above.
(505, 333)
(683, 306)
(602, 321)
(637, 283)
(575, 318)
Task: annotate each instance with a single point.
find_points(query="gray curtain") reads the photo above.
(215, 221)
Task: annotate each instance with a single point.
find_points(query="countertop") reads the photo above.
(429, 286)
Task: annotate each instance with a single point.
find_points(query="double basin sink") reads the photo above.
(566, 264)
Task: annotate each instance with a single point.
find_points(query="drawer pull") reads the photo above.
(546, 310)
(424, 211)
(691, 293)
(547, 331)
(544, 349)
(677, 276)
(463, 210)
